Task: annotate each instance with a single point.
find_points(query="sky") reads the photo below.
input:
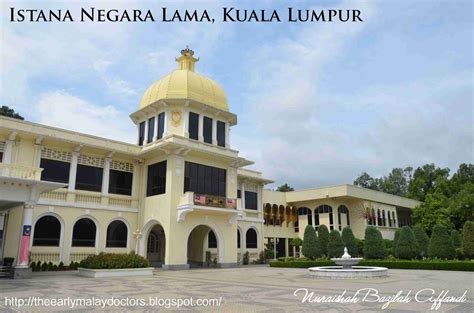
(317, 103)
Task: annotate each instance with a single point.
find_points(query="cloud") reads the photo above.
(64, 110)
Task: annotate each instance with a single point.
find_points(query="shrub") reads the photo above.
(407, 247)
(44, 267)
(468, 239)
(114, 261)
(395, 264)
(422, 239)
(395, 242)
(456, 239)
(441, 245)
(323, 235)
(360, 247)
(388, 246)
(296, 242)
(311, 245)
(335, 245)
(373, 244)
(349, 241)
(61, 266)
(245, 259)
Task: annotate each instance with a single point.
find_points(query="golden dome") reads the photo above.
(184, 83)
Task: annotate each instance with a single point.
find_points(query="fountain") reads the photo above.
(347, 268)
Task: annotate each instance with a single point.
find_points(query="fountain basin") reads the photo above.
(345, 262)
(338, 272)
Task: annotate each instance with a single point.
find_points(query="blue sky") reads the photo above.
(317, 103)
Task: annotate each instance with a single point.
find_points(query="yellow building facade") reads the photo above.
(181, 196)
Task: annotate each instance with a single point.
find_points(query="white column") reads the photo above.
(227, 131)
(259, 198)
(73, 171)
(8, 153)
(214, 131)
(25, 235)
(138, 133)
(155, 130)
(186, 122)
(106, 176)
(136, 169)
(165, 126)
(145, 139)
(201, 127)
(242, 194)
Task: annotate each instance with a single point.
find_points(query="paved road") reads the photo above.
(246, 289)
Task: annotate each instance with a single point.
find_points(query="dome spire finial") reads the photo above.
(187, 60)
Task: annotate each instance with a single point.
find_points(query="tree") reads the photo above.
(335, 245)
(422, 239)
(424, 181)
(396, 237)
(285, 188)
(6, 111)
(374, 247)
(432, 212)
(441, 245)
(323, 235)
(366, 181)
(311, 245)
(349, 241)
(468, 240)
(296, 242)
(456, 239)
(407, 247)
(461, 205)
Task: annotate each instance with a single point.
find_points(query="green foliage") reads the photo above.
(468, 240)
(461, 205)
(374, 247)
(456, 239)
(360, 247)
(335, 245)
(311, 245)
(395, 183)
(245, 259)
(441, 245)
(441, 265)
(407, 247)
(285, 188)
(422, 239)
(425, 179)
(323, 235)
(6, 111)
(349, 241)
(114, 261)
(296, 242)
(388, 246)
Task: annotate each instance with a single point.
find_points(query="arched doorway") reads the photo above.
(155, 248)
(203, 247)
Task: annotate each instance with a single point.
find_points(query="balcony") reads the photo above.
(88, 199)
(20, 171)
(190, 202)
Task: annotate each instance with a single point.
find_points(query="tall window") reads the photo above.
(323, 215)
(141, 133)
(251, 239)
(220, 133)
(379, 218)
(120, 182)
(161, 125)
(156, 183)
(384, 220)
(308, 212)
(239, 194)
(89, 178)
(207, 129)
(151, 129)
(193, 128)
(116, 235)
(83, 233)
(203, 179)
(238, 239)
(343, 216)
(55, 171)
(251, 200)
(211, 240)
(47, 232)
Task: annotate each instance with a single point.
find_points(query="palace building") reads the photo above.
(178, 196)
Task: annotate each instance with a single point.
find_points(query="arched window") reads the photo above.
(373, 217)
(389, 219)
(116, 235)
(394, 220)
(251, 239)
(342, 210)
(323, 215)
(47, 232)
(308, 212)
(238, 239)
(211, 240)
(384, 221)
(379, 218)
(83, 233)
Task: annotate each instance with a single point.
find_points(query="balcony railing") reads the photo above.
(215, 201)
(20, 171)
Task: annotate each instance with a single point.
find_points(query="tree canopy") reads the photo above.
(6, 111)
(284, 188)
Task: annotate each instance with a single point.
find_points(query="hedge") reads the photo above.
(468, 239)
(407, 247)
(114, 261)
(374, 248)
(323, 235)
(441, 246)
(311, 244)
(398, 264)
(335, 245)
